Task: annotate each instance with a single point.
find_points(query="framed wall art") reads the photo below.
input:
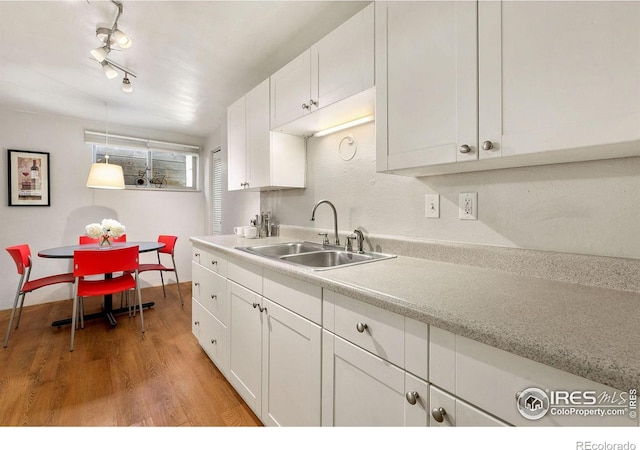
(28, 178)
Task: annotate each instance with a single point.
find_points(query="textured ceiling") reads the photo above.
(192, 58)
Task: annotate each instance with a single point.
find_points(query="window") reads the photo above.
(170, 166)
(216, 192)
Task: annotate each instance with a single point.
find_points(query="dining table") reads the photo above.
(108, 312)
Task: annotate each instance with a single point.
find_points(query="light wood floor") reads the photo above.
(115, 376)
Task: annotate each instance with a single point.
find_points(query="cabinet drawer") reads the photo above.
(377, 330)
(448, 411)
(212, 336)
(302, 298)
(492, 379)
(245, 274)
(210, 289)
(209, 259)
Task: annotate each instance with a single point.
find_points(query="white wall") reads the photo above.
(588, 208)
(145, 214)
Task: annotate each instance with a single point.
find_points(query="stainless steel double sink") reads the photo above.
(313, 255)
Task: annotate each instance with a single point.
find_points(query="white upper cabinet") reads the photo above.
(260, 159)
(558, 75)
(306, 92)
(426, 92)
(464, 86)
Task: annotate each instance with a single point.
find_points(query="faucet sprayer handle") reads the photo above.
(348, 247)
(325, 239)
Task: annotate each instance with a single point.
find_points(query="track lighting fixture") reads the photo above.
(113, 37)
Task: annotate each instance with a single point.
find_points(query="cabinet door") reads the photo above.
(558, 75)
(237, 145)
(359, 389)
(291, 365)
(342, 61)
(291, 91)
(426, 83)
(245, 345)
(258, 136)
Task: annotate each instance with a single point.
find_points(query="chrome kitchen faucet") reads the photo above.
(335, 217)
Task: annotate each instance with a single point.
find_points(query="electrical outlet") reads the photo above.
(468, 206)
(432, 206)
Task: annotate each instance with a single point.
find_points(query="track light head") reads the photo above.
(126, 84)
(100, 53)
(121, 39)
(108, 69)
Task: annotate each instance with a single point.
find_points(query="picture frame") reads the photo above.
(28, 175)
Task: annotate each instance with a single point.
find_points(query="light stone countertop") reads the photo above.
(589, 331)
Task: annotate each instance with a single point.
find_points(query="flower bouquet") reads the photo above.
(108, 228)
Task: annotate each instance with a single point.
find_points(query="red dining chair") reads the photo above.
(169, 247)
(84, 239)
(103, 261)
(21, 254)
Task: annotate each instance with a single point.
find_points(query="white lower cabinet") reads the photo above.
(300, 355)
(361, 389)
(291, 368)
(245, 344)
(275, 353)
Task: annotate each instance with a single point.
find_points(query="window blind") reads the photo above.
(116, 140)
(216, 194)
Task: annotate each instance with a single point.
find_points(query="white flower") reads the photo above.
(112, 228)
(108, 227)
(94, 230)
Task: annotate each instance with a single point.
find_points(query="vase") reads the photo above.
(105, 242)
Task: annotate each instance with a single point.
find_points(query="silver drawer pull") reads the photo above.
(214, 297)
(196, 323)
(438, 414)
(213, 341)
(197, 255)
(196, 284)
(361, 327)
(412, 397)
(255, 305)
(214, 262)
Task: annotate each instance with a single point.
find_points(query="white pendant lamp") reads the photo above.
(108, 69)
(105, 176)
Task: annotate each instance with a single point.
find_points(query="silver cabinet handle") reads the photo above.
(313, 103)
(412, 397)
(255, 305)
(214, 297)
(487, 145)
(465, 148)
(213, 341)
(196, 323)
(361, 327)
(214, 262)
(438, 414)
(196, 284)
(197, 255)
(305, 106)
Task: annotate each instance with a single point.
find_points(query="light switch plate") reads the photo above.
(468, 206)
(432, 206)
